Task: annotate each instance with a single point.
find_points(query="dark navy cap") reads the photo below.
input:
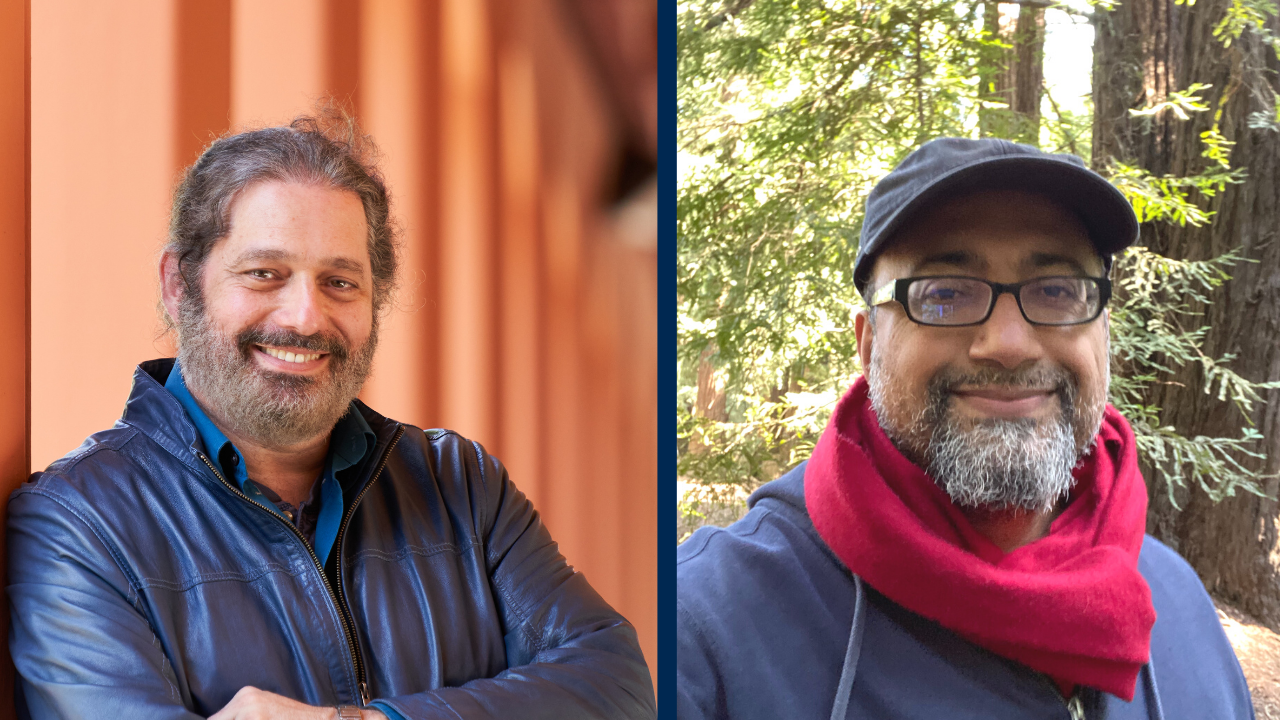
(950, 167)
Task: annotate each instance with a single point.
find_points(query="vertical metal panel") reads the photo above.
(520, 433)
(278, 61)
(202, 81)
(102, 114)
(398, 98)
(14, 233)
(466, 276)
(636, 304)
(343, 30)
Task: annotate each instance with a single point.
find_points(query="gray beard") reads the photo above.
(1004, 464)
(994, 464)
(275, 410)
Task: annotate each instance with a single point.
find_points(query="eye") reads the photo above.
(1063, 291)
(261, 274)
(341, 284)
(945, 291)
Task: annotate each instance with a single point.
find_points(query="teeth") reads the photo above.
(288, 356)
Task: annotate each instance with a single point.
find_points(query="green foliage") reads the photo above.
(1180, 103)
(1256, 17)
(1262, 120)
(768, 438)
(1066, 131)
(1171, 199)
(789, 111)
(1253, 16)
(1156, 296)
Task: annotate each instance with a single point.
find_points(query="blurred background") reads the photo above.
(519, 145)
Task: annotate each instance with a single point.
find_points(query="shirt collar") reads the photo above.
(351, 441)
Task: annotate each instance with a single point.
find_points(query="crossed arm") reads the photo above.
(83, 646)
(254, 704)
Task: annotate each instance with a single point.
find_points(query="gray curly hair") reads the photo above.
(325, 149)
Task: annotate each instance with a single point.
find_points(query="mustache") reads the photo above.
(319, 342)
(948, 379)
(945, 383)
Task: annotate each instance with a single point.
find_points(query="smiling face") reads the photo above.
(281, 337)
(998, 413)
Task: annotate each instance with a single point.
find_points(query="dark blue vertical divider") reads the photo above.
(666, 351)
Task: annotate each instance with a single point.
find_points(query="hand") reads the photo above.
(254, 704)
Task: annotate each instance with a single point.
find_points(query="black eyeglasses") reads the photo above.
(954, 301)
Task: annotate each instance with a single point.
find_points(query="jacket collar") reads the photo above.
(156, 413)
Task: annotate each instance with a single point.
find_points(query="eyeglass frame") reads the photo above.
(897, 291)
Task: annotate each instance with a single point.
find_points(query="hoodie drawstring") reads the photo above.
(850, 667)
(1154, 710)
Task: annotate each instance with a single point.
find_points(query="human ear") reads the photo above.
(172, 285)
(863, 332)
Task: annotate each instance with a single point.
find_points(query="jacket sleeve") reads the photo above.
(80, 644)
(569, 654)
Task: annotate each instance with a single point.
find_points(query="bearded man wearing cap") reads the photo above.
(967, 539)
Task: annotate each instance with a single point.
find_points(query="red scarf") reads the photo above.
(1071, 605)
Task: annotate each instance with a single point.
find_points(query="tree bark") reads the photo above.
(991, 72)
(1014, 75)
(1028, 56)
(1145, 49)
(711, 401)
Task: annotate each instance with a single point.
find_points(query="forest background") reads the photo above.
(790, 110)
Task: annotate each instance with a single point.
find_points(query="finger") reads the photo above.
(226, 713)
(242, 699)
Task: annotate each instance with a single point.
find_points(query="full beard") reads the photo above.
(991, 463)
(275, 410)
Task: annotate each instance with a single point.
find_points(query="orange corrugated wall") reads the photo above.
(14, 232)
(527, 313)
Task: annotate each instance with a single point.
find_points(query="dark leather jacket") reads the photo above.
(143, 585)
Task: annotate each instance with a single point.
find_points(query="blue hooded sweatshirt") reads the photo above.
(770, 624)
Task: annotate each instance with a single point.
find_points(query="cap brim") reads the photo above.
(1106, 213)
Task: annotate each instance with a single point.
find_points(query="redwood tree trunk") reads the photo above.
(1028, 64)
(1013, 76)
(1143, 50)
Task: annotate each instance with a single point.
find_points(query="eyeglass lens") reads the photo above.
(963, 301)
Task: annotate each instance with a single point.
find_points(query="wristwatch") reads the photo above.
(349, 712)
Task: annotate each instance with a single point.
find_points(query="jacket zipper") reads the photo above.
(348, 623)
(337, 544)
(1075, 706)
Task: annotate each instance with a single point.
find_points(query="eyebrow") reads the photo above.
(970, 261)
(958, 258)
(272, 255)
(1042, 260)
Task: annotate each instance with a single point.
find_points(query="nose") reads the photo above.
(1006, 338)
(300, 308)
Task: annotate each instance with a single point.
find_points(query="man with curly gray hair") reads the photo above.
(252, 541)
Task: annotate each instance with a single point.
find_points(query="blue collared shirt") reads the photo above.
(350, 444)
